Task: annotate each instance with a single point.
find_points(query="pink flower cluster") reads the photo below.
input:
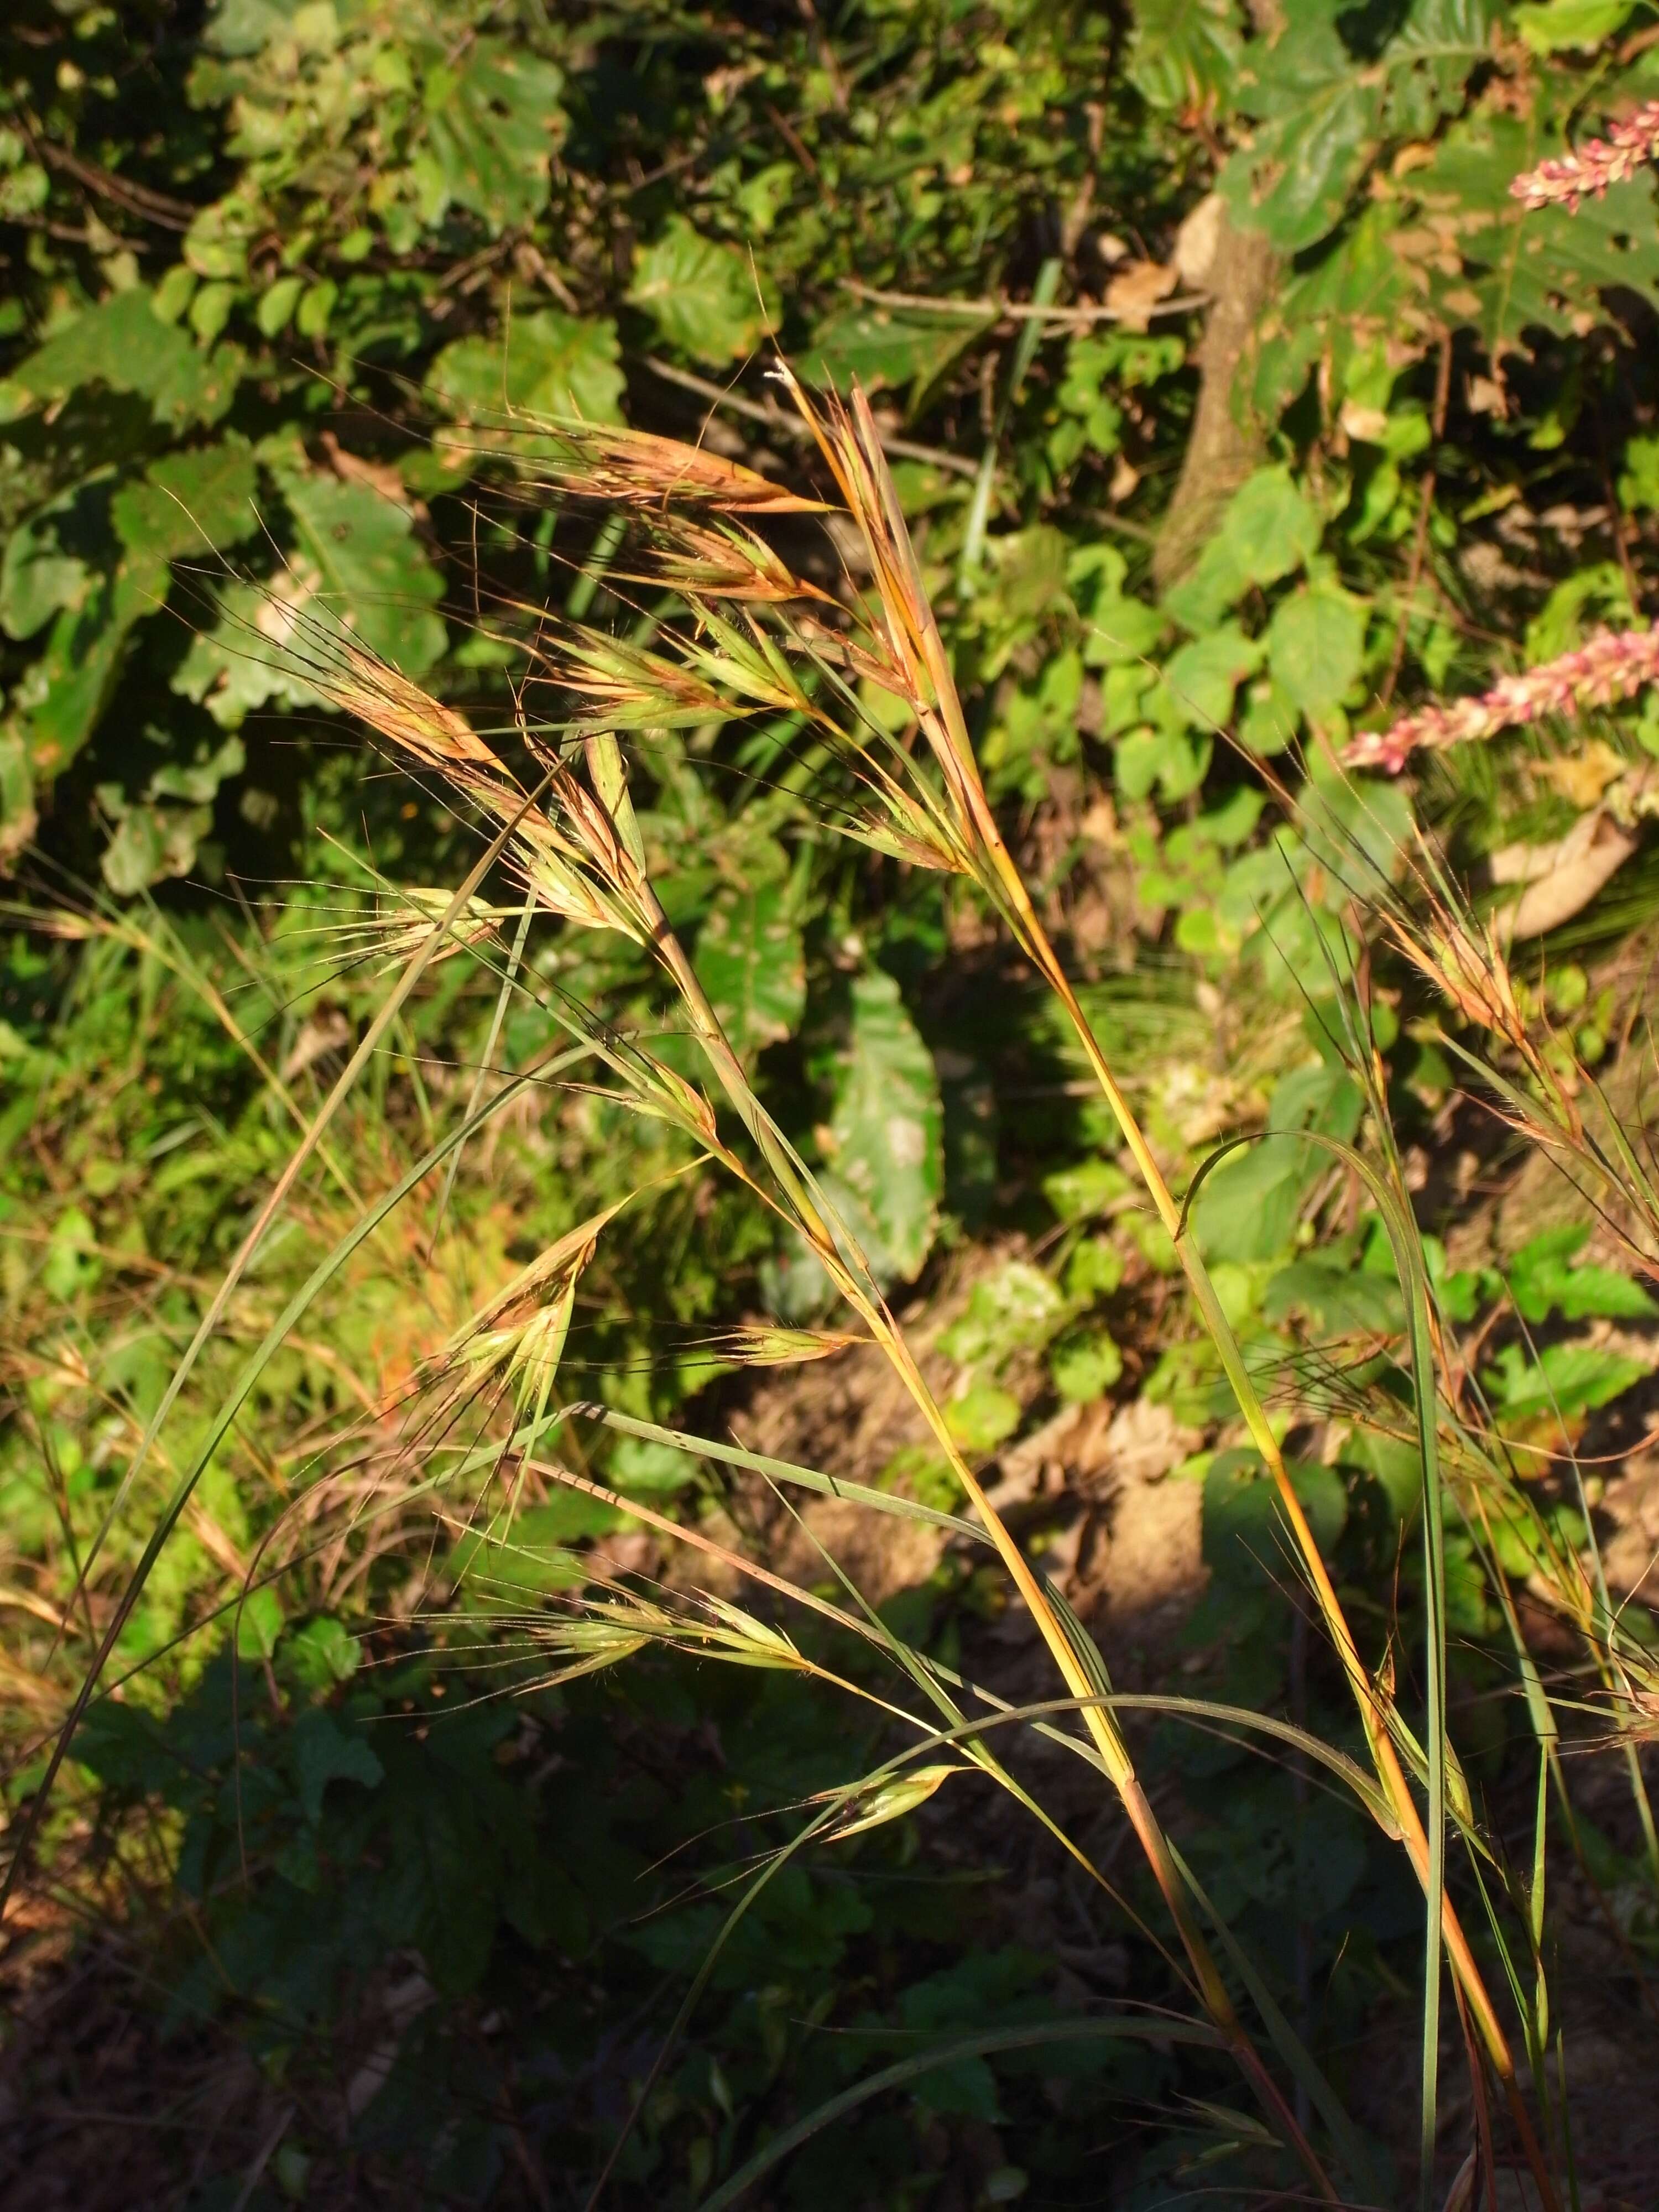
(1610, 665)
(1587, 174)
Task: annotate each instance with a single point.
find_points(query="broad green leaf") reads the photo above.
(236, 662)
(1185, 52)
(752, 965)
(1014, 1310)
(983, 1417)
(1203, 675)
(1316, 646)
(322, 1752)
(1077, 1194)
(701, 292)
(1530, 271)
(494, 125)
(1244, 1533)
(124, 343)
(546, 363)
(886, 1129)
(1555, 27)
(69, 685)
(1323, 110)
(887, 347)
(1542, 1280)
(371, 572)
(1564, 1380)
(1359, 286)
(1270, 528)
(1338, 1301)
(188, 504)
(1085, 1365)
(258, 1624)
(1249, 1208)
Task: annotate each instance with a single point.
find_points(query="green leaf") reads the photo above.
(1524, 270)
(700, 293)
(370, 568)
(1542, 1281)
(546, 363)
(1014, 1310)
(885, 1133)
(887, 347)
(1077, 1194)
(1338, 1301)
(1085, 1365)
(1323, 110)
(493, 129)
(189, 503)
(1185, 52)
(1556, 27)
(1268, 531)
(322, 1753)
(1249, 1208)
(124, 344)
(1315, 648)
(1564, 1379)
(753, 966)
(258, 1624)
(982, 1418)
(1203, 675)
(1244, 1531)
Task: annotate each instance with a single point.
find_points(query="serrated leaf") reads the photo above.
(373, 573)
(545, 363)
(1547, 270)
(753, 965)
(1338, 1301)
(887, 347)
(324, 1753)
(1249, 1208)
(1185, 52)
(1324, 110)
(1268, 531)
(189, 503)
(886, 1130)
(1203, 675)
(1542, 1280)
(493, 131)
(1315, 647)
(1016, 1309)
(1358, 293)
(124, 343)
(1564, 1380)
(1244, 1533)
(700, 293)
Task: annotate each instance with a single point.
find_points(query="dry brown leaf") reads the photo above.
(1137, 288)
(1561, 878)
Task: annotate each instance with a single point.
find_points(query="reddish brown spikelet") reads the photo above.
(1586, 174)
(1610, 665)
(636, 469)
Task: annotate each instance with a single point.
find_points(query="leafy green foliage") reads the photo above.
(885, 1131)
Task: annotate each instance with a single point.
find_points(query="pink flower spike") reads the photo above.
(1611, 665)
(1628, 147)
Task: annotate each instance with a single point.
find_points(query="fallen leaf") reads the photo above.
(1137, 288)
(1561, 878)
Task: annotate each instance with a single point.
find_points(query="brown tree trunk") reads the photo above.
(1228, 439)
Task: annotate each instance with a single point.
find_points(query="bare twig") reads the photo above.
(1076, 317)
(791, 426)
